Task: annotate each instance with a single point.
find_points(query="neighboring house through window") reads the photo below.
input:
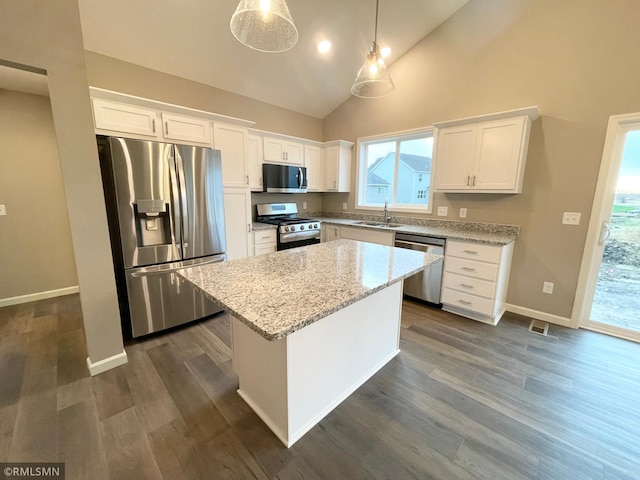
(396, 168)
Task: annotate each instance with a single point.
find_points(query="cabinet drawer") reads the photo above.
(475, 286)
(474, 251)
(466, 301)
(268, 248)
(261, 237)
(471, 268)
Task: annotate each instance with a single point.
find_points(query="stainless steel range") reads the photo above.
(293, 231)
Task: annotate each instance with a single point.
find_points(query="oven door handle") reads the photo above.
(293, 237)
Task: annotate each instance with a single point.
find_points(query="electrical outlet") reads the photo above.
(463, 213)
(547, 287)
(443, 211)
(3, 210)
(344, 205)
(304, 205)
(571, 218)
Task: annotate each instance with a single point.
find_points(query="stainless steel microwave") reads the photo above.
(284, 178)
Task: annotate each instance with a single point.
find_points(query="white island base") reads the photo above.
(294, 382)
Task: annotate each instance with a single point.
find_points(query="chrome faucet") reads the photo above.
(387, 218)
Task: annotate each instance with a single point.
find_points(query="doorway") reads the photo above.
(611, 265)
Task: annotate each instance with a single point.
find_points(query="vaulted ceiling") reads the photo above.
(191, 39)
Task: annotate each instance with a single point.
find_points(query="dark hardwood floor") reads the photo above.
(462, 401)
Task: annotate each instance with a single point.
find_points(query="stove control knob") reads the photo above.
(286, 229)
(301, 227)
(315, 225)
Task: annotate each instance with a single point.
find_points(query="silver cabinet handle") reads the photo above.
(166, 128)
(468, 269)
(464, 285)
(470, 252)
(473, 182)
(247, 179)
(464, 302)
(249, 227)
(153, 125)
(468, 178)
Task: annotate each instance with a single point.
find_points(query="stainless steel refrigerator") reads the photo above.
(165, 210)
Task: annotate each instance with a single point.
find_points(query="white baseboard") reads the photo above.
(107, 363)
(538, 315)
(32, 297)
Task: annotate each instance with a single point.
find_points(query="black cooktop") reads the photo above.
(285, 220)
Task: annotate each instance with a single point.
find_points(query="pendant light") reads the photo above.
(373, 79)
(264, 25)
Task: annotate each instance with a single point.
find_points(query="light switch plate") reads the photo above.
(304, 205)
(571, 218)
(547, 287)
(443, 211)
(3, 210)
(463, 213)
(344, 205)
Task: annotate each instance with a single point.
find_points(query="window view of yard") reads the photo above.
(617, 299)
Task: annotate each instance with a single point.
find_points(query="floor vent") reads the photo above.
(541, 328)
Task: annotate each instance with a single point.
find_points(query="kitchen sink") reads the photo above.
(380, 224)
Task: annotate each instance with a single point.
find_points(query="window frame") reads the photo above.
(361, 171)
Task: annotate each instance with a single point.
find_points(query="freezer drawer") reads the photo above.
(159, 299)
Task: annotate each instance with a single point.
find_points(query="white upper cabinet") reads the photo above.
(312, 161)
(231, 140)
(483, 154)
(124, 119)
(278, 150)
(254, 160)
(179, 128)
(337, 166)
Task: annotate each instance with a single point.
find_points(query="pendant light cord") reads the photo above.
(375, 33)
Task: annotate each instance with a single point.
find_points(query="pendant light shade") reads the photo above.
(264, 25)
(373, 79)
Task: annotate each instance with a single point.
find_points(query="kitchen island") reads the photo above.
(310, 325)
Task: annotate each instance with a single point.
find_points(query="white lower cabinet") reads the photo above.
(330, 232)
(368, 235)
(475, 280)
(264, 241)
(237, 220)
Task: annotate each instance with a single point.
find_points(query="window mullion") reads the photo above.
(396, 171)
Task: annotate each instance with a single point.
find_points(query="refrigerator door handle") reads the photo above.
(183, 200)
(163, 270)
(175, 204)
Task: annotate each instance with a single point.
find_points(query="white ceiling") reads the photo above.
(191, 39)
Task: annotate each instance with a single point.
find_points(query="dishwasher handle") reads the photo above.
(422, 247)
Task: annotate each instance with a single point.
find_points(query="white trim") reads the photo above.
(106, 364)
(617, 128)
(32, 297)
(532, 112)
(611, 330)
(538, 315)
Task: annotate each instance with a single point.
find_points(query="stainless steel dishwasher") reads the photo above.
(426, 284)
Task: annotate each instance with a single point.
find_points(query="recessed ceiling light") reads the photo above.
(385, 51)
(324, 46)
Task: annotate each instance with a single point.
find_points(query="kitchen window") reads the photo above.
(396, 168)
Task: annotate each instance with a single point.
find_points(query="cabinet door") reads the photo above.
(294, 153)
(498, 155)
(331, 168)
(330, 233)
(273, 150)
(367, 235)
(455, 151)
(231, 140)
(312, 162)
(254, 159)
(121, 118)
(186, 129)
(237, 220)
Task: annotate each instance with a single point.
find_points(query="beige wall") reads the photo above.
(35, 241)
(112, 74)
(576, 60)
(47, 35)
(314, 201)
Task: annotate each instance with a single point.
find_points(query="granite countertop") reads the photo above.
(263, 226)
(278, 293)
(486, 233)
